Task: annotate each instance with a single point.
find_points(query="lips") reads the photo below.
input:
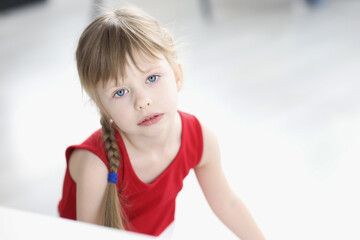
(150, 119)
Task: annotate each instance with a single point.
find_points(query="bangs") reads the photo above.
(112, 40)
(118, 47)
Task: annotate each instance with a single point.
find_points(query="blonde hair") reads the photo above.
(102, 55)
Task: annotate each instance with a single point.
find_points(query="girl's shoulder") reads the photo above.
(89, 157)
(93, 144)
(191, 126)
(84, 164)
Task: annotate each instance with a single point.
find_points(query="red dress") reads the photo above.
(150, 208)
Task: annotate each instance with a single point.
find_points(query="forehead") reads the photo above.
(136, 65)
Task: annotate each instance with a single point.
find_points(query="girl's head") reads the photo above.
(114, 52)
(114, 41)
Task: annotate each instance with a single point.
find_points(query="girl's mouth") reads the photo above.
(151, 119)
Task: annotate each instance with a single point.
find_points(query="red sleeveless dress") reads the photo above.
(150, 208)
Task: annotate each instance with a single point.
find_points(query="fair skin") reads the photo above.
(152, 148)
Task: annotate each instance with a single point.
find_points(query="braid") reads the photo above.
(110, 144)
(113, 213)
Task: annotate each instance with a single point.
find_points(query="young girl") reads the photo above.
(128, 174)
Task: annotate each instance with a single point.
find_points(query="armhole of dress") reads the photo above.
(200, 137)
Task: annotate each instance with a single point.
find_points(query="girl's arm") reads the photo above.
(90, 175)
(225, 204)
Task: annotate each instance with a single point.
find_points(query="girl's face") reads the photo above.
(144, 103)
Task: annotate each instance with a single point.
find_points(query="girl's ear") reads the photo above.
(179, 76)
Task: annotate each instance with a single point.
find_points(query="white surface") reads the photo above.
(20, 225)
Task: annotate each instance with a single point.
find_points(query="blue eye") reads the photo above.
(153, 78)
(121, 93)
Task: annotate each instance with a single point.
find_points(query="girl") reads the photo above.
(128, 174)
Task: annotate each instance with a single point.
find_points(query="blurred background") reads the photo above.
(276, 80)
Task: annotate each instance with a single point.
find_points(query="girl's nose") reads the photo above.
(142, 103)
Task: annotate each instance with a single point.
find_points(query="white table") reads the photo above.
(17, 224)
